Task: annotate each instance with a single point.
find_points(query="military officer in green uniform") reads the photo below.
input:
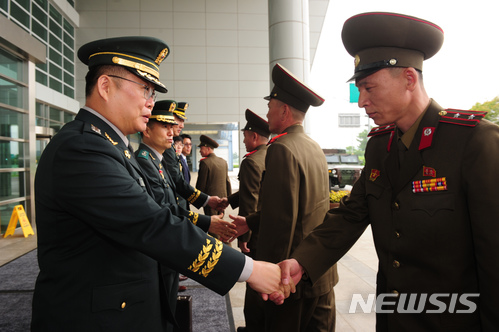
(156, 138)
(213, 173)
(294, 199)
(187, 194)
(256, 136)
(101, 236)
(428, 190)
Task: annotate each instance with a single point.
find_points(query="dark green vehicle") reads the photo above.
(344, 169)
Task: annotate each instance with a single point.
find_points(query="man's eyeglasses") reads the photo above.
(148, 91)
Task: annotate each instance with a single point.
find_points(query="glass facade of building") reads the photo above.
(43, 21)
(14, 174)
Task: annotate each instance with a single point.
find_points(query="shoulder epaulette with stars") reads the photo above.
(381, 130)
(275, 138)
(461, 117)
(143, 154)
(250, 153)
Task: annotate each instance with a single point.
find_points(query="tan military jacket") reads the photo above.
(294, 198)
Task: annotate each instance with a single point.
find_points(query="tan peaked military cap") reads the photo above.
(256, 124)
(290, 90)
(206, 141)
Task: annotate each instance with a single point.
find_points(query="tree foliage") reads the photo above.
(491, 107)
(361, 148)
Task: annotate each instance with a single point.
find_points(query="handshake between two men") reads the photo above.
(274, 282)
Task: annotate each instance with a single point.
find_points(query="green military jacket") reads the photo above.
(101, 236)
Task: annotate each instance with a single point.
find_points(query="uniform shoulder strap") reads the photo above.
(461, 117)
(381, 130)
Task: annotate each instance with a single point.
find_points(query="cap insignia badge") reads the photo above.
(162, 55)
(357, 60)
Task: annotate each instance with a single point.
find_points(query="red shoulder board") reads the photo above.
(461, 117)
(250, 153)
(275, 138)
(381, 130)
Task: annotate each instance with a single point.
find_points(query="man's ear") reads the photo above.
(412, 77)
(104, 86)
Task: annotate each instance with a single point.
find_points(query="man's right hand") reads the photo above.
(243, 246)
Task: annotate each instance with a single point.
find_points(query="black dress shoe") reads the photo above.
(242, 329)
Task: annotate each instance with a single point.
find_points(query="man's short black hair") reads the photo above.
(186, 136)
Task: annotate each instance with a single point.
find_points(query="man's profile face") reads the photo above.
(248, 140)
(178, 129)
(204, 151)
(187, 146)
(274, 115)
(383, 96)
(134, 110)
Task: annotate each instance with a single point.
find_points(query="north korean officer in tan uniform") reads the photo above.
(256, 136)
(428, 189)
(213, 173)
(101, 236)
(294, 200)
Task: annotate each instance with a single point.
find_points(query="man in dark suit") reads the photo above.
(186, 151)
(213, 174)
(256, 136)
(101, 237)
(294, 198)
(156, 139)
(428, 190)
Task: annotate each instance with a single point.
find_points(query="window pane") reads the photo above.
(55, 28)
(42, 3)
(39, 30)
(55, 71)
(12, 186)
(12, 123)
(39, 14)
(41, 77)
(19, 14)
(56, 85)
(69, 66)
(4, 4)
(11, 94)
(68, 117)
(12, 154)
(69, 29)
(55, 15)
(24, 4)
(68, 91)
(55, 114)
(68, 79)
(55, 43)
(68, 53)
(11, 66)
